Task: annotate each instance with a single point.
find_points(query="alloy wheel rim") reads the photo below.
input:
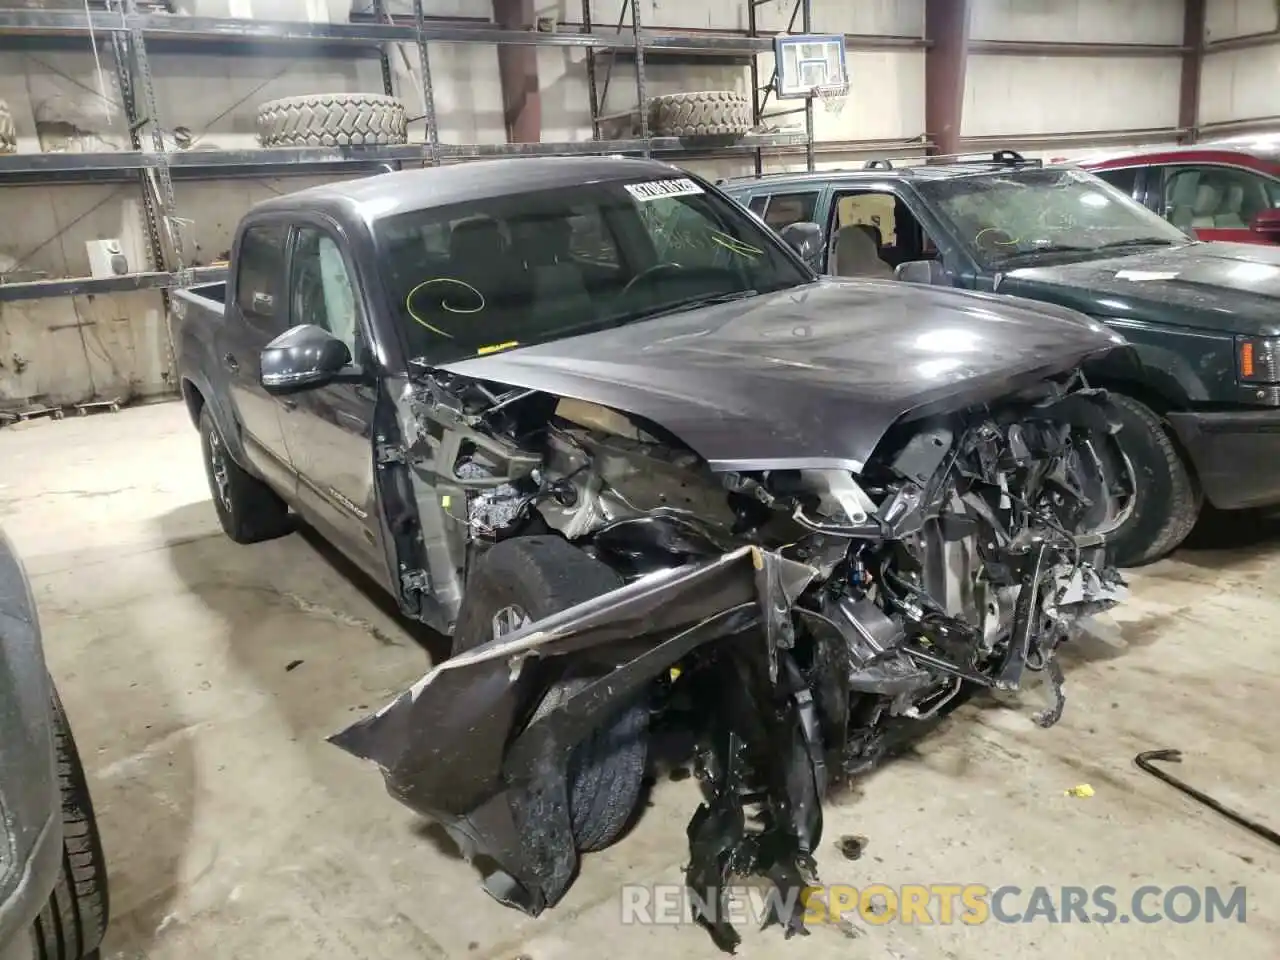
(509, 619)
(218, 465)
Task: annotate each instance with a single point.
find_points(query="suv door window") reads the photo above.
(874, 232)
(783, 209)
(321, 291)
(1125, 180)
(1207, 197)
(261, 272)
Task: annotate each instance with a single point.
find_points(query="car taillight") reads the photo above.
(1258, 359)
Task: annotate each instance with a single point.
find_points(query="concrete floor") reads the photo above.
(233, 830)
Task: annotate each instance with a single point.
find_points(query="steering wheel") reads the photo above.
(647, 275)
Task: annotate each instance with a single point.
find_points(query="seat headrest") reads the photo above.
(476, 242)
(1207, 199)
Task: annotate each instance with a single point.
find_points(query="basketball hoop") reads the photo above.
(833, 96)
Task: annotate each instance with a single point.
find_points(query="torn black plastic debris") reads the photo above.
(446, 746)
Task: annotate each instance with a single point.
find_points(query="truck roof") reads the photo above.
(388, 194)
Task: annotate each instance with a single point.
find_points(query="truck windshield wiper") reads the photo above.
(694, 303)
(1137, 242)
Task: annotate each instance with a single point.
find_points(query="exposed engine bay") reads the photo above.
(815, 616)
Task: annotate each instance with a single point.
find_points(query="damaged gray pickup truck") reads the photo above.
(593, 420)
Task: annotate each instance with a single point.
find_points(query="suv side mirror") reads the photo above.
(1267, 222)
(303, 356)
(804, 238)
(921, 271)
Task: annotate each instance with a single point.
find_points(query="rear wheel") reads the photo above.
(73, 922)
(1166, 500)
(521, 581)
(248, 510)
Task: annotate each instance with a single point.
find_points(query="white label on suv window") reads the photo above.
(657, 189)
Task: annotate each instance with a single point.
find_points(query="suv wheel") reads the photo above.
(518, 582)
(248, 509)
(73, 921)
(1166, 499)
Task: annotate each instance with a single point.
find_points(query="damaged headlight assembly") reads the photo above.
(797, 621)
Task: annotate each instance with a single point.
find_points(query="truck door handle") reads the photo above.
(231, 362)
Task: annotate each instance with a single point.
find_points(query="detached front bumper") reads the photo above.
(1236, 455)
(445, 746)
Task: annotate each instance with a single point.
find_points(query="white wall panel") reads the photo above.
(1078, 21)
(1240, 84)
(1032, 95)
(1238, 18)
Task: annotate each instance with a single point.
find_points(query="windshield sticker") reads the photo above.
(1146, 274)
(657, 189)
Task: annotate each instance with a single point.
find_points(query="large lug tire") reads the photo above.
(1167, 500)
(248, 509)
(332, 120)
(74, 920)
(539, 576)
(8, 133)
(709, 113)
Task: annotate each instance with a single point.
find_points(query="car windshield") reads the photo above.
(1019, 215)
(479, 277)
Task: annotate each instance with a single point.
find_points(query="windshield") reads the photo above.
(1018, 215)
(484, 276)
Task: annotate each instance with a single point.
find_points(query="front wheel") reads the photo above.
(1166, 499)
(523, 580)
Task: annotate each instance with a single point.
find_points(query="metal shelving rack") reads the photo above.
(132, 33)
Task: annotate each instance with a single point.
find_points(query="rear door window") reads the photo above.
(783, 209)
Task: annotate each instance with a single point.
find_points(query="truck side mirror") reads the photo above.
(303, 356)
(928, 272)
(1267, 222)
(804, 238)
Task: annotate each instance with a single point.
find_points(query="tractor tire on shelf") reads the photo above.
(332, 120)
(8, 135)
(710, 113)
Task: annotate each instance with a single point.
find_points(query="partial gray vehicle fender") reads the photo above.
(30, 804)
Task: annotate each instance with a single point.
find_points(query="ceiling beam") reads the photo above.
(1066, 48)
(946, 28)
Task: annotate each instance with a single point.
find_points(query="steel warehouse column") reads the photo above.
(641, 95)
(167, 207)
(518, 70)
(1192, 64)
(428, 92)
(592, 90)
(946, 28)
(124, 59)
(380, 15)
(806, 26)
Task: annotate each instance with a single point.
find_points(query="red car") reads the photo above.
(1218, 190)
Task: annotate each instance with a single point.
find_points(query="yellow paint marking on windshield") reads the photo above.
(497, 347)
(444, 302)
(734, 245)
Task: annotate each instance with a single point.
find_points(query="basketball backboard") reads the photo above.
(806, 61)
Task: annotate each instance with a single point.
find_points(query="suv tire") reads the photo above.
(539, 576)
(248, 509)
(72, 924)
(1167, 500)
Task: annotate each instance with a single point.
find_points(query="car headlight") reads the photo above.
(1258, 359)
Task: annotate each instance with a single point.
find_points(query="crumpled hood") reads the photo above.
(807, 377)
(1225, 287)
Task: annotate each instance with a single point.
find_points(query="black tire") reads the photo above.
(332, 120)
(1167, 500)
(544, 575)
(8, 133)
(248, 509)
(72, 924)
(708, 113)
